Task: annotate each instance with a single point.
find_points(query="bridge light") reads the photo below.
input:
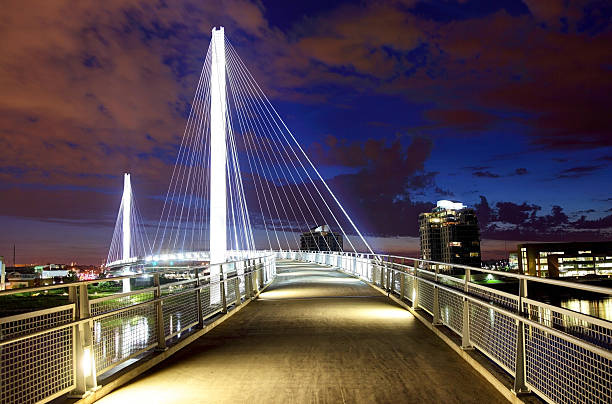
(87, 362)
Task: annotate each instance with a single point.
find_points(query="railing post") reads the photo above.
(248, 283)
(436, 300)
(415, 289)
(199, 299)
(223, 284)
(402, 285)
(264, 271)
(520, 386)
(83, 342)
(465, 335)
(436, 306)
(159, 314)
(255, 277)
(237, 289)
(388, 278)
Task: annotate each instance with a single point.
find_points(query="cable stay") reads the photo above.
(241, 182)
(130, 240)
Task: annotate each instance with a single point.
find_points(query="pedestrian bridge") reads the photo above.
(314, 335)
(301, 327)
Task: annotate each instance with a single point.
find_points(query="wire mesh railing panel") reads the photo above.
(408, 287)
(237, 290)
(230, 292)
(499, 298)
(38, 367)
(426, 296)
(566, 372)
(180, 313)
(396, 285)
(27, 323)
(594, 330)
(451, 281)
(494, 333)
(242, 285)
(209, 308)
(430, 276)
(120, 336)
(451, 310)
(108, 304)
(376, 275)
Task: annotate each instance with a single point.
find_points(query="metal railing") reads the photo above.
(46, 353)
(561, 355)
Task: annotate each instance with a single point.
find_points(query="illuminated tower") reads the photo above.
(218, 159)
(450, 233)
(126, 226)
(126, 222)
(218, 152)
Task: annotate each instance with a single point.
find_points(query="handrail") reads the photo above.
(106, 313)
(120, 277)
(557, 282)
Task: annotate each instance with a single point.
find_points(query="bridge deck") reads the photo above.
(315, 335)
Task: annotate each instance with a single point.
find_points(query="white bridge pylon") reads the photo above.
(218, 160)
(126, 202)
(129, 238)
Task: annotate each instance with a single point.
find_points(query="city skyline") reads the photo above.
(400, 103)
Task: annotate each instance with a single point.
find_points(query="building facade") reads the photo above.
(321, 239)
(450, 233)
(558, 260)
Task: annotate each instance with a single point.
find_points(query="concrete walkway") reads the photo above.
(315, 335)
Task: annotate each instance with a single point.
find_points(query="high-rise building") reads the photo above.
(565, 259)
(450, 233)
(321, 239)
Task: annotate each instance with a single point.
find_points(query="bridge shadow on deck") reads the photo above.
(315, 335)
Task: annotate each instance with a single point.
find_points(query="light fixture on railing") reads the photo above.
(87, 362)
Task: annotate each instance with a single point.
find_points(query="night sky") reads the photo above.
(503, 105)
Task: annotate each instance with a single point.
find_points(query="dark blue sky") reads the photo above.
(503, 105)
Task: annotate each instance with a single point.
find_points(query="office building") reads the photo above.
(321, 239)
(450, 234)
(557, 260)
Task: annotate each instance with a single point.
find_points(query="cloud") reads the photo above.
(119, 70)
(107, 90)
(485, 174)
(512, 221)
(579, 171)
(460, 119)
(443, 192)
(477, 168)
(382, 187)
(521, 171)
(585, 211)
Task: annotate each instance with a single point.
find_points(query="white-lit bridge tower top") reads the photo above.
(126, 218)
(126, 226)
(218, 152)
